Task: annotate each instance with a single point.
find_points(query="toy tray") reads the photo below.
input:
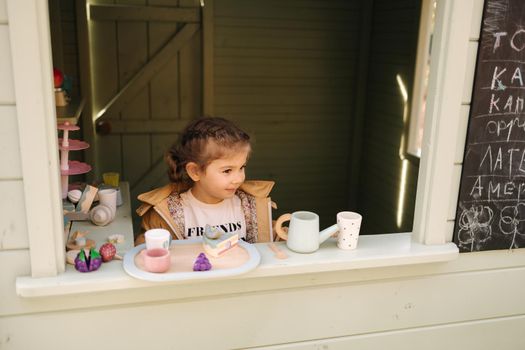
(240, 259)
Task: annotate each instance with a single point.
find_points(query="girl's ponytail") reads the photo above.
(175, 168)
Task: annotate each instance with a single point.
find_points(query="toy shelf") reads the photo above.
(70, 167)
(71, 112)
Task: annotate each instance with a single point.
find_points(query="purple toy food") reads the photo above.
(87, 261)
(202, 263)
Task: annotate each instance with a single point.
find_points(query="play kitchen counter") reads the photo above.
(373, 251)
(122, 224)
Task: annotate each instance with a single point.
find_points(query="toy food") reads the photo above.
(212, 232)
(71, 255)
(58, 77)
(74, 195)
(107, 251)
(202, 263)
(216, 241)
(116, 238)
(88, 260)
(78, 240)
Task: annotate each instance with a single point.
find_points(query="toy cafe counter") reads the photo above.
(275, 264)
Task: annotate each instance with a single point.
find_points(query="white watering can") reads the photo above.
(303, 234)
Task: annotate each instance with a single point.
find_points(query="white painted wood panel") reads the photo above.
(146, 292)
(7, 93)
(449, 230)
(480, 335)
(454, 191)
(260, 318)
(446, 86)
(469, 71)
(13, 226)
(461, 134)
(13, 263)
(9, 144)
(477, 13)
(32, 70)
(3, 12)
(461, 130)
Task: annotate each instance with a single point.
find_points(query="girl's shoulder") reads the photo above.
(159, 194)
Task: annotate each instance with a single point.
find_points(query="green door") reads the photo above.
(144, 83)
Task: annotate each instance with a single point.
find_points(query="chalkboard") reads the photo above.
(491, 204)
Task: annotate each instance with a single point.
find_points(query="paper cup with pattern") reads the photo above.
(349, 224)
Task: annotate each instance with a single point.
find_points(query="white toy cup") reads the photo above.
(157, 238)
(349, 224)
(108, 197)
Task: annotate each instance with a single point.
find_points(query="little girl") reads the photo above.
(206, 169)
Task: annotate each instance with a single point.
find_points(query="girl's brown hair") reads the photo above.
(201, 142)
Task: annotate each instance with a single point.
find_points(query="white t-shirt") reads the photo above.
(227, 215)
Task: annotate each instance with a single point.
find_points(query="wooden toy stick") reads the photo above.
(278, 252)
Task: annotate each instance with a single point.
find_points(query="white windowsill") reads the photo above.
(373, 251)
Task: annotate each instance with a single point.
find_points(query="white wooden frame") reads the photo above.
(449, 61)
(32, 68)
(419, 89)
(28, 24)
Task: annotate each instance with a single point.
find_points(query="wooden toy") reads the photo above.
(216, 241)
(87, 198)
(116, 238)
(78, 240)
(88, 260)
(71, 256)
(201, 263)
(74, 196)
(101, 215)
(279, 254)
(108, 252)
(68, 167)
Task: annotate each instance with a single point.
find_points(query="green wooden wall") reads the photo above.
(314, 82)
(151, 120)
(285, 71)
(393, 43)
(297, 75)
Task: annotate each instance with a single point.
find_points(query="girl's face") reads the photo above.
(220, 179)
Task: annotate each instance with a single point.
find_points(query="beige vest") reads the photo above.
(155, 212)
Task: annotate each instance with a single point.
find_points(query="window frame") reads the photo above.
(30, 42)
(32, 67)
(419, 87)
(447, 81)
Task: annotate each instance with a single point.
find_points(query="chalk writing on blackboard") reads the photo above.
(491, 205)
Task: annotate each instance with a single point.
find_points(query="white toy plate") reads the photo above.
(240, 259)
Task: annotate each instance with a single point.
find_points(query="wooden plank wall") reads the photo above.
(121, 48)
(64, 40)
(64, 46)
(393, 44)
(285, 71)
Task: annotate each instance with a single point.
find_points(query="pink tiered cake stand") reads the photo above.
(70, 167)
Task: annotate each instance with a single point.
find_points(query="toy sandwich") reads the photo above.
(216, 241)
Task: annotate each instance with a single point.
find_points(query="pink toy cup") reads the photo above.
(156, 260)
